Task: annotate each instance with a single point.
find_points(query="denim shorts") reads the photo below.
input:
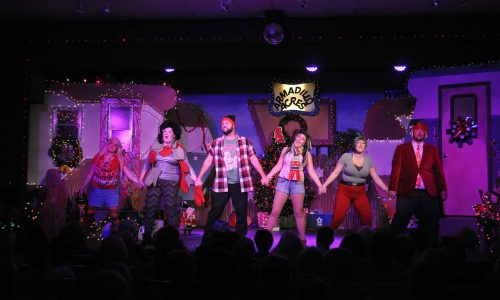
(104, 197)
(291, 187)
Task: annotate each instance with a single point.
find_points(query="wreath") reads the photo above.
(462, 131)
(280, 135)
(66, 151)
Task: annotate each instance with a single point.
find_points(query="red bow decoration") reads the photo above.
(278, 136)
(166, 151)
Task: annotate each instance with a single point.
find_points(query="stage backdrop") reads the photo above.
(321, 127)
(427, 86)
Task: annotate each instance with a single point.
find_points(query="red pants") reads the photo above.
(343, 198)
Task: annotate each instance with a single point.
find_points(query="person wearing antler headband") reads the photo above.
(417, 178)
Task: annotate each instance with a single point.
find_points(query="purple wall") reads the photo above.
(351, 110)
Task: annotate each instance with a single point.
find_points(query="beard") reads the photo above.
(418, 139)
(228, 131)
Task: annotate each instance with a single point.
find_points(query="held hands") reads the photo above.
(264, 181)
(322, 189)
(197, 182)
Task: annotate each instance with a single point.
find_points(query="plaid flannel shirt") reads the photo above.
(246, 151)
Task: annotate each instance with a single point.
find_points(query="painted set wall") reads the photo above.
(424, 85)
(351, 109)
(41, 132)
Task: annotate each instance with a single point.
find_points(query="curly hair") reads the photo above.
(169, 124)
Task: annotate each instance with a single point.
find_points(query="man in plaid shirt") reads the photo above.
(233, 155)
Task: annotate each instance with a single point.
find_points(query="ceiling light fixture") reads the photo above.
(435, 3)
(400, 68)
(312, 68)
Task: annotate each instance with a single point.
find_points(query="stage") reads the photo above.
(449, 226)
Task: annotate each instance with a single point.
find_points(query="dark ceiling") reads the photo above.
(78, 10)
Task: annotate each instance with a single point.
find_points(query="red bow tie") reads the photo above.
(166, 151)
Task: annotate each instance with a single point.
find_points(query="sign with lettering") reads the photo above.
(294, 98)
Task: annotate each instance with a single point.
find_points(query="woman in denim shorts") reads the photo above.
(290, 180)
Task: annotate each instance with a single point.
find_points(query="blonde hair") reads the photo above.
(119, 152)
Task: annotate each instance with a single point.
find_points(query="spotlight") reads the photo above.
(435, 3)
(169, 70)
(400, 68)
(312, 68)
(107, 7)
(225, 5)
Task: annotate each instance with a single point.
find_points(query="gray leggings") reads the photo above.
(166, 193)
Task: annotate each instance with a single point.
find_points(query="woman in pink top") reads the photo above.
(290, 181)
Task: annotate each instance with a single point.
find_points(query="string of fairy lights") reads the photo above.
(219, 38)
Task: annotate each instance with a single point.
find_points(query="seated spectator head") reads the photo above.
(325, 237)
(289, 246)
(404, 249)
(355, 243)
(263, 241)
(340, 264)
(311, 261)
(275, 271)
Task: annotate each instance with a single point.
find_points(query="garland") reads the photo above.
(283, 122)
(66, 151)
(487, 220)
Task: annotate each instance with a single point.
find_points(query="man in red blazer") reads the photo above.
(417, 179)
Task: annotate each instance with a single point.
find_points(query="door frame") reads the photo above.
(485, 84)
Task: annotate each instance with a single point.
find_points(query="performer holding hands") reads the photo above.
(355, 167)
(290, 181)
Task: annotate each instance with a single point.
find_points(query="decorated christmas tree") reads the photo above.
(263, 196)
